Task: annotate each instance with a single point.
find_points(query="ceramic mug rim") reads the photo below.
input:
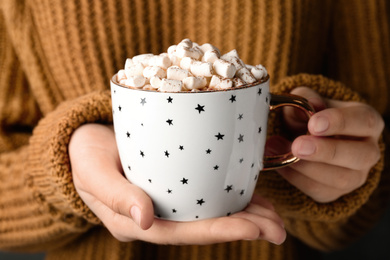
(247, 85)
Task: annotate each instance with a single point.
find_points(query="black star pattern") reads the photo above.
(174, 210)
(228, 214)
(266, 100)
(241, 160)
(200, 108)
(169, 191)
(143, 101)
(196, 216)
(241, 138)
(200, 202)
(128, 167)
(216, 167)
(253, 165)
(142, 153)
(208, 151)
(150, 180)
(120, 108)
(170, 99)
(229, 188)
(169, 121)
(181, 147)
(256, 177)
(233, 98)
(184, 181)
(128, 135)
(242, 192)
(259, 130)
(240, 116)
(259, 92)
(166, 154)
(219, 136)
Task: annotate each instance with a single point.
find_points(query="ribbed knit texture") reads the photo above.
(56, 60)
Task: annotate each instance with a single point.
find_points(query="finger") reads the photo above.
(312, 97)
(338, 178)
(315, 190)
(259, 200)
(351, 120)
(352, 154)
(297, 119)
(260, 210)
(201, 232)
(268, 229)
(101, 178)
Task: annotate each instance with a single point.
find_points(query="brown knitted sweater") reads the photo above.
(56, 59)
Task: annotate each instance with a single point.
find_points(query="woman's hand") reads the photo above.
(339, 152)
(127, 211)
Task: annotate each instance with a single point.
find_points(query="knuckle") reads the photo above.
(370, 157)
(339, 120)
(374, 122)
(344, 181)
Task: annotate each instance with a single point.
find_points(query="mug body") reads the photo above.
(196, 154)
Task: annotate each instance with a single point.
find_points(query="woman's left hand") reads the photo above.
(339, 152)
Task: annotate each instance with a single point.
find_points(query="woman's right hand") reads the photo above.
(127, 211)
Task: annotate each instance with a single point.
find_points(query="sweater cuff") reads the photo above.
(49, 163)
(290, 201)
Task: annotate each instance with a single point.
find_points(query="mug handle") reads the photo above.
(277, 101)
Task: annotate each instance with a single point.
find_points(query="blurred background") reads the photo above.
(375, 245)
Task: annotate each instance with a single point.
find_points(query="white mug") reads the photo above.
(197, 155)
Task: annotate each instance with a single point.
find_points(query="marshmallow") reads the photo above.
(259, 72)
(214, 82)
(143, 58)
(232, 56)
(155, 82)
(234, 60)
(151, 71)
(171, 49)
(249, 67)
(210, 56)
(135, 81)
(128, 63)
(148, 87)
(135, 69)
(237, 82)
(224, 68)
(175, 72)
(245, 75)
(186, 43)
(120, 75)
(175, 61)
(202, 69)
(194, 82)
(232, 53)
(183, 51)
(171, 85)
(209, 47)
(160, 61)
(186, 62)
(218, 82)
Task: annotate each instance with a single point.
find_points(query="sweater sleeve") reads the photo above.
(40, 208)
(325, 226)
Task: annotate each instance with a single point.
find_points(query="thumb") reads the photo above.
(295, 118)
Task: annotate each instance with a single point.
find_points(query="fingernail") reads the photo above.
(136, 215)
(306, 148)
(321, 124)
